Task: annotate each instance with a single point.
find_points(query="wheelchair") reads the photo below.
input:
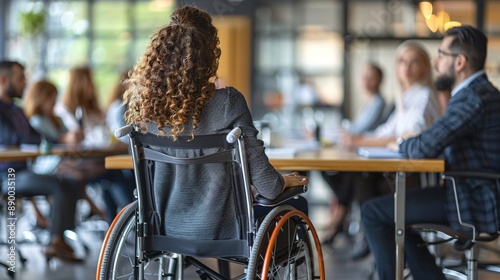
(141, 244)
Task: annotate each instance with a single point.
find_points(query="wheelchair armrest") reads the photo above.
(285, 195)
(472, 174)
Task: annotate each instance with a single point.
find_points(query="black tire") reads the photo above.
(292, 256)
(118, 253)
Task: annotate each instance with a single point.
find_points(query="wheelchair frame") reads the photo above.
(264, 253)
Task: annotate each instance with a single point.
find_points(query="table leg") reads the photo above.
(399, 219)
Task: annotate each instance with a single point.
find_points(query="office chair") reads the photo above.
(466, 242)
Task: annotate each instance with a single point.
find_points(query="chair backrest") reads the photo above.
(194, 194)
(486, 193)
(386, 113)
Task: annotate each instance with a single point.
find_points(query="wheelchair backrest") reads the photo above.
(194, 194)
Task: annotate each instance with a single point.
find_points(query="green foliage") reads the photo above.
(32, 23)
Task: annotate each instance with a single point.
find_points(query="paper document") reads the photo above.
(280, 152)
(378, 152)
(28, 147)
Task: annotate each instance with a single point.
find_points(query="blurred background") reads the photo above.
(309, 53)
(298, 62)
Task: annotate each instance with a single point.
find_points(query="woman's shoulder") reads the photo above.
(40, 121)
(228, 90)
(419, 92)
(228, 100)
(230, 93)
(37, 120)
(421, 88)
(114, 107)
(378, 100)
(43, 125)
(60, 109)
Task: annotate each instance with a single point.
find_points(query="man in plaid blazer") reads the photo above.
(468, 136)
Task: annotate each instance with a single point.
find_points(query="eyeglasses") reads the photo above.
(441, 53)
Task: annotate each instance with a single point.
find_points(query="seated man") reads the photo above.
(468, 135)
(14, 130)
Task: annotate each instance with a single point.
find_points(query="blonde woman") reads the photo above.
(416, 108)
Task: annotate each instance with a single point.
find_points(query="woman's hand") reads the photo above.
(294, 180)
(393, 146)
(72, 137)
(347, 140)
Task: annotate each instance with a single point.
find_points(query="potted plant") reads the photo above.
(32, 24)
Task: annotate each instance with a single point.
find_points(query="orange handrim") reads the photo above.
(105, 242)
(275, 234)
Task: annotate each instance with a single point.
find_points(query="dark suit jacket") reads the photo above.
(15, 129)
(468, 135)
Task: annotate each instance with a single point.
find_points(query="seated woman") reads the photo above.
(79, 109)
(368, 118)
(172, 91)
(39, 108)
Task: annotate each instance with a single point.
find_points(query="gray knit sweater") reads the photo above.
(199, 205)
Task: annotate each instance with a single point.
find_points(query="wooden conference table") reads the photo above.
(336, 159)
(27, 152)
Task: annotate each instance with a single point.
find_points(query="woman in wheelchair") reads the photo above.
(194, 193)
(173, 92)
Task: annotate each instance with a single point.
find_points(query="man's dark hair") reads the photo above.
(471, 42)
(6, 67)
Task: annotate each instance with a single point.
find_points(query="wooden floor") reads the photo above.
(337, 262)
(36, 267)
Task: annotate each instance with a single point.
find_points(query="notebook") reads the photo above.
(280, 152)
(378, 152)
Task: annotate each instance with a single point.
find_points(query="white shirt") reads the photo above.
(419, 109)
(113, 119)
(466, 82)
(69, 119)
(94, 128)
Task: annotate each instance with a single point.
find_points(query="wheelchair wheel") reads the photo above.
(117, 257)
(283, 248)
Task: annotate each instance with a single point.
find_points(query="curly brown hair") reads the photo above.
(174, 78)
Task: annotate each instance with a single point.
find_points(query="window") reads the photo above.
(298, 45)
(80, 32)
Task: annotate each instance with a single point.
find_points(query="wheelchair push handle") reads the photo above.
(233, 135)
(123, 131)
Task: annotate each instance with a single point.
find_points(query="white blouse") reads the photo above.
(416, 112)
(95, 131)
